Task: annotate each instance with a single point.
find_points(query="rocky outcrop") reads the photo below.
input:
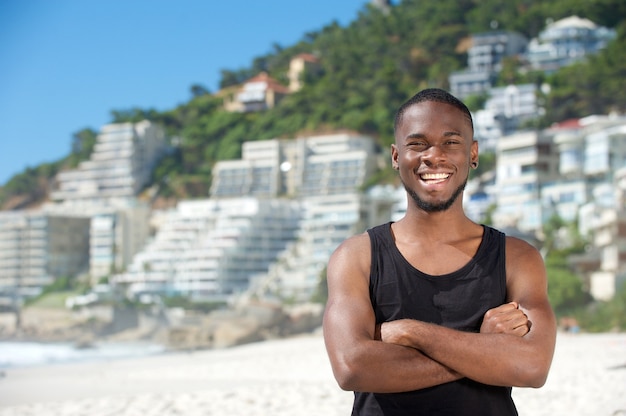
(178, 330)
(255, 321)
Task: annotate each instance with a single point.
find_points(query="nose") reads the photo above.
(433, 155)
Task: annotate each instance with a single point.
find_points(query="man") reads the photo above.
(435, 314)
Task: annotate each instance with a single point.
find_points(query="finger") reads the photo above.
(522, 323)
(521, 331)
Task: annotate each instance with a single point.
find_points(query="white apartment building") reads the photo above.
(68, 240)
(116, 234)
(246, 238)
(37, 247)
(336, 164)
(576, 170)
(326, 222)
(589, 150)
(525, 160)
(304, 166)
(604, 221)
(257, 173)
(212, 249)
(119, 167)
(605, 148)
(95, 225)
(506, 109)
(600, 149)
(564, 198)
(570, 142)
(484, 61)
(567, 41)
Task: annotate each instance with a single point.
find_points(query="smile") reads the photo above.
(434, 177)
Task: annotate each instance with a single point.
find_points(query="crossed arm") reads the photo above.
(514, 346)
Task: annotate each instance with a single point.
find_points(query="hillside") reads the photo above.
(367, 69)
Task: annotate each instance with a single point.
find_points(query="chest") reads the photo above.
(438, 259)
(452, 285)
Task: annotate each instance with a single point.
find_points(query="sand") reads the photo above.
(284, 377)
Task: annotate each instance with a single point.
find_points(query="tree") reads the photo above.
(565, 289)
(83, 142)
(198, 90)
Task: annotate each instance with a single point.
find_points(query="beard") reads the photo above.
(434, 206)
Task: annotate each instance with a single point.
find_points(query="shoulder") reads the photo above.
(359, 247)
(525, 269)
(354, 246)
(351, 257)
(520, 251)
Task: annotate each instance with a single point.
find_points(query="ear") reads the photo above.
(474, 154)
(394, 157)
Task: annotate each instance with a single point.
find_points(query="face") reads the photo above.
(433, 151)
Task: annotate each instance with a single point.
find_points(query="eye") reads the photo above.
(453, 143)
(417, 145)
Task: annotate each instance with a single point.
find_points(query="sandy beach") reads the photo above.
(283, 377)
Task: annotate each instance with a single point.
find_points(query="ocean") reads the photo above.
(26, 354)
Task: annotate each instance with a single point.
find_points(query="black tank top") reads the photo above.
(456, 300)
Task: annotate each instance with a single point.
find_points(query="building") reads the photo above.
(468, 82)
(589, 151)
(38, 247)
(604, 265)
(257, 173)
(116, 234)
(581, 146)
(259, 93)
(484, 61)
(565, 42)
(383, 5)
(601, 160)
(95, 224)
(506, 110)
(120, 166)
(525, 160)
(300, 66)
(104, 189)
(575, 170)
(210, 250)
(272, 221)
(325, 223)
(64, 240)
(305, 166)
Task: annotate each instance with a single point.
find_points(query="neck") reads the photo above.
(438, 225)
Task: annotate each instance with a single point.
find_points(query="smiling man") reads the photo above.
(436, 314)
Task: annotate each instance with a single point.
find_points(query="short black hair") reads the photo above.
(432, 94)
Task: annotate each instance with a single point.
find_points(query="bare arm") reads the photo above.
(502, 356)
(360, 362)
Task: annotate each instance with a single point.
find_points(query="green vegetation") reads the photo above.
(565, 288)
(604, 316)
(566, 291)
(54, 294)
(32, 185)
(52, 300)
(321, 292)
(368, 68)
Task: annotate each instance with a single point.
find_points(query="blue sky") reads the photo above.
(65, 64)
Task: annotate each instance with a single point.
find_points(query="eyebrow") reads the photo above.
(423, 136)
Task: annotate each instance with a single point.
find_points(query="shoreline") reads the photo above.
(29, 354)
(284, 377)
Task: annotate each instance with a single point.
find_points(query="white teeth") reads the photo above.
(433, 176)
